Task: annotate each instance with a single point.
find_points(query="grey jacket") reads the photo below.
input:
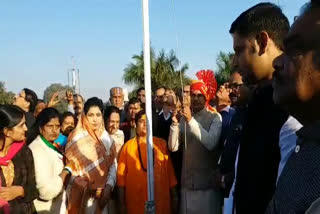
(200, 149)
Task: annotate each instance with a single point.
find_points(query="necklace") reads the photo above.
(140, 159)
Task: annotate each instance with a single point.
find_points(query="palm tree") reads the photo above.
(224, 63)
(6, 97)
(165, 71)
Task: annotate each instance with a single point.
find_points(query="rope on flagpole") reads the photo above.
(180, 73)
(182, 93)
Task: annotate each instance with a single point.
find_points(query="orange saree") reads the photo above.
(133, 177)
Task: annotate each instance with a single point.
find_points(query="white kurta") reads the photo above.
(48, 165)
(118, 139)
(200, 158)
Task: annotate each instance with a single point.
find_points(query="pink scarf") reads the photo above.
(4, 161)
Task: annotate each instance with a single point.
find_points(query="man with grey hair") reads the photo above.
(117, 99)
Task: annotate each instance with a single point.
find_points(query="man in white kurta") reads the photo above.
(200, 154)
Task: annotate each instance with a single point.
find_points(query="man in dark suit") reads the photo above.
(297, 88)
(257, 40)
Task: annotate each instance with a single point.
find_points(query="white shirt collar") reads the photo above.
(226, 109)
(165, 117)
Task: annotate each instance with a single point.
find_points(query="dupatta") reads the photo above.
(89, 155)
(8, 167)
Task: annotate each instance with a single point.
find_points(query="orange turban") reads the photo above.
(207, 84)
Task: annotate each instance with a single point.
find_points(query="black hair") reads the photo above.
(139, 115)
(134, 100)
(68, 114)
(165, 88)
(40, 101)
(262, 17)
(10, 116)
(42, 119)
(109, 110)
(93, 101)
(140, 89)
(32, 98)
(307, 8)
(46, 115)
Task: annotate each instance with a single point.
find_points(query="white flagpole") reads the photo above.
(150, 205)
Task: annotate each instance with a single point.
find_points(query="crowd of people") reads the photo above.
(250, 145)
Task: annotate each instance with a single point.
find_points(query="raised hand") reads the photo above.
(69, 96)
(54, 100)
(175, 118)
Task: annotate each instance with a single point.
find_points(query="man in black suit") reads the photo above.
(257, 40)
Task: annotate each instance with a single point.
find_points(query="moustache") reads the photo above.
(68, 130)
(232, 94)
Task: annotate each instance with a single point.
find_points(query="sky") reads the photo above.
(39, 38)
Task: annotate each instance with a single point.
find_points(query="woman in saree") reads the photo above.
(91, 157)
(132, 174)
(17, 176)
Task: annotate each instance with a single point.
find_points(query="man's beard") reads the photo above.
(67, 131)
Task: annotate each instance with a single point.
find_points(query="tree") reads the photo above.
(165, 71)
(6, 97)
(62, 106)
(224, 64)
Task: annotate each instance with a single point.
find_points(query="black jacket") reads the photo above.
(32, 129)
(259, 154)
(230, 149)
(24, 175)
(299, 184)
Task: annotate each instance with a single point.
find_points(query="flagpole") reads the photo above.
(150, 205)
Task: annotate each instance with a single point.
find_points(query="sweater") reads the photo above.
(48, 165)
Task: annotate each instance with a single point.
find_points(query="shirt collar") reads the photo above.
(165, 117)
(226, 109)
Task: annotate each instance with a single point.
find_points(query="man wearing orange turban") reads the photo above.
(198, 132)
(207, 85)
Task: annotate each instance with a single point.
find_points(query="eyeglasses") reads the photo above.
(235, 85)
(197, 95)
